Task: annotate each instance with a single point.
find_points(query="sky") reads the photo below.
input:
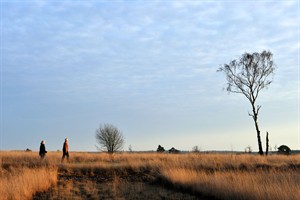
(147, 67)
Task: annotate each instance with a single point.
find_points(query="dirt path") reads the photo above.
(110, 184)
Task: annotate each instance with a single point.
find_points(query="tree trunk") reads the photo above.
(267, 144)
(255, 114)
(258, 139)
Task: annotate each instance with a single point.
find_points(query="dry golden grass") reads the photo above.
(219, 176)
(26, 182)
(23, 174)
(237, 184)
(222, 176)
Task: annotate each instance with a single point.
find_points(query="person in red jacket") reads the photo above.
(65, 150)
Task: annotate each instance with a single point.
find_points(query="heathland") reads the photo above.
(23, 175)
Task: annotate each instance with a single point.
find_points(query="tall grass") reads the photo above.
(237, 184)
(23, 174)
(226, 176)
(24, 183)
(222, 176)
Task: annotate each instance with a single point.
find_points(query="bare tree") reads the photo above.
(248, 75)
(248, 149)
(130, 148)
(196, 149)
(110, 138)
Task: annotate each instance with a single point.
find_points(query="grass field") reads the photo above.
(149, 176)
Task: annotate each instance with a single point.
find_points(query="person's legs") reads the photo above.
(63, 157)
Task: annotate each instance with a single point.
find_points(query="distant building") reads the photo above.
(173, 150)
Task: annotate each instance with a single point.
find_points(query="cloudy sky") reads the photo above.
(147, 67)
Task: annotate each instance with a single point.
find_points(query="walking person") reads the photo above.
(43, 151)
(65, 150)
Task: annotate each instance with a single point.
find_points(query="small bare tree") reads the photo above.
(248, 149)
(196, 149)
(110, 138)
(248, 75)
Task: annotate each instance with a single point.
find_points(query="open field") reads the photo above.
(149, 176)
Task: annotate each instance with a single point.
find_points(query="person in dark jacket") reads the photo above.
(42, 149)
(65, 150)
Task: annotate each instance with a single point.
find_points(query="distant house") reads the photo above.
(173, 150)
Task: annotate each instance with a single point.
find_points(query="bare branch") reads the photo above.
(251, 115)
(258, 108)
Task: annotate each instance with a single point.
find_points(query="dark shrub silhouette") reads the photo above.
(283, 149)
(160, 149)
